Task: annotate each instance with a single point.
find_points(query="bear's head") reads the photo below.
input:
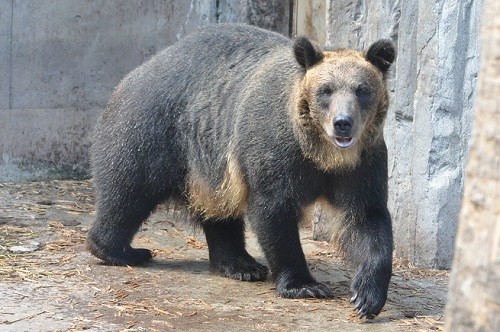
(341, 101)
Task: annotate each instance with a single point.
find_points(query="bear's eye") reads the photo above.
(363, 91)
(326, 91)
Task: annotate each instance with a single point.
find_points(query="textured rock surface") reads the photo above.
(429, 122)
(270, 14)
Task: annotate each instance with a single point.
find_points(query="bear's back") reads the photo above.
(210, 67)
(212, 53)
(223, 42)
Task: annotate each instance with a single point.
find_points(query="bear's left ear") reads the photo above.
(381, 54)
(306, 52)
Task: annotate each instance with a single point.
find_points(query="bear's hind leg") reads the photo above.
(110, 236)
(227, 253)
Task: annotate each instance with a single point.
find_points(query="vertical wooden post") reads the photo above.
(474, 298)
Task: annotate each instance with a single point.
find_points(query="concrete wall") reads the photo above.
(60, 61)
(429, 122)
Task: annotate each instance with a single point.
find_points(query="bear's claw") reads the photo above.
(309, 290)
(367, 301)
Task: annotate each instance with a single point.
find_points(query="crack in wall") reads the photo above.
(217, 11)
(11, 53)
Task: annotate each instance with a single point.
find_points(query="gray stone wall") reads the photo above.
(428, 128)
(60, 60)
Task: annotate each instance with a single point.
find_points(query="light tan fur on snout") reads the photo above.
(229, 199)
(344, 69)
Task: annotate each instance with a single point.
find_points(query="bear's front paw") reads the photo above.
(299, 288)
(369, 296)
(244, 269)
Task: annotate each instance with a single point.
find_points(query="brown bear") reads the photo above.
(243, 124)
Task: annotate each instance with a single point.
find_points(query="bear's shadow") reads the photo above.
(187, 265)
(401, 303)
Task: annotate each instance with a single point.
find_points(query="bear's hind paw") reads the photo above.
(125, 255)
(244, 270)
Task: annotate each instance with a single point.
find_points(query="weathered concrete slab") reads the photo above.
(81, 50)
(78, 51)
(67, 56)
(5, 52)
(45, 143)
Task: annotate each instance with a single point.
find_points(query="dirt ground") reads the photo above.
(49, 283)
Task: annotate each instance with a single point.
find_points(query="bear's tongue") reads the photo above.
(343, 142)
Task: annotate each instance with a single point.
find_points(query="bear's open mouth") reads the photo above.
(343, 142)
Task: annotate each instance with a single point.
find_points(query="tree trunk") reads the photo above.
(474, 298)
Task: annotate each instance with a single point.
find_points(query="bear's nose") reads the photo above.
(343, 125)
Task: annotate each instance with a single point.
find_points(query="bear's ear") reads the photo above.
(381, 54)
(306, 52)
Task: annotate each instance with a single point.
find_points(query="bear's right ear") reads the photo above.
(306, 53)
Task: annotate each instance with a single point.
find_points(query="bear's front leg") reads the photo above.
(275, 221)
(367, 241)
